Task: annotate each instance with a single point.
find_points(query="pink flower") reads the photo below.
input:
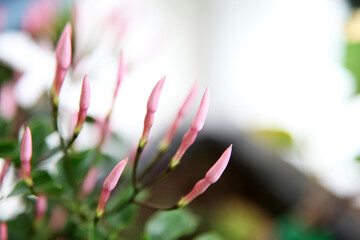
(84, 104)
(25, 156)
(41, 207)
(182, 112)
(152, 106)
(196, 126)
(109, 185)
(89, 182)
(211, 177)
(38, 16)
(63, 58)
(3, 231)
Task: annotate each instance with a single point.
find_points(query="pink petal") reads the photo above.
(113, 178)
(182, 112)
(85, 94)
(211, 177)
(63, 48)
(154, 98)
(3, 231)
(26, 146)
(199, 119)
(218, 168)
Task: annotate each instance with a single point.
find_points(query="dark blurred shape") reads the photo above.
(354, 3)
(262, 179)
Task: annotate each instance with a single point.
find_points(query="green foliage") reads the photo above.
(290, 228)
(171, 225)
(44, 184)
(273, 138)
(8, 148)
(352, 62)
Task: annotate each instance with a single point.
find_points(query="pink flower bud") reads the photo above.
(89, 182)
(120, 75)
(196, 126)
(41, 207)
(113, 178)
(152, 106)
(109, 185)
(4, 169)
(63, 57)
(63, 48)
(199, 119)
(182, 112)
(84, 104)
(3, 231)
(211, 177)
(25, 155)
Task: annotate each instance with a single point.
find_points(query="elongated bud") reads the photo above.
(3, 231)
(182, 112)
(152, 106)
(63, 59)
(109, 185)
(211, 177)
(4, 169)
(83, 105)
(63, 48)
(41, 207)
(120, 76)
(89, 182)
(196, 126)
(25, 156)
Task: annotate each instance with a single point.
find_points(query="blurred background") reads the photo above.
(284, 79)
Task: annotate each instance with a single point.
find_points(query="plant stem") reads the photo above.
(69, 173)
(152, 163)
(156, 207)
(136, 162)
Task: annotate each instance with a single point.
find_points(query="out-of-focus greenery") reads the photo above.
(352, 62)
(170, 225)
(291, 228)
(273, 139)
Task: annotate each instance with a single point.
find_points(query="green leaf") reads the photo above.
(43, 182)
(171, 225)
(81, 162)
(90, 119)
(209, 236)
(8, 148)
(40, 129)
(19, 189)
